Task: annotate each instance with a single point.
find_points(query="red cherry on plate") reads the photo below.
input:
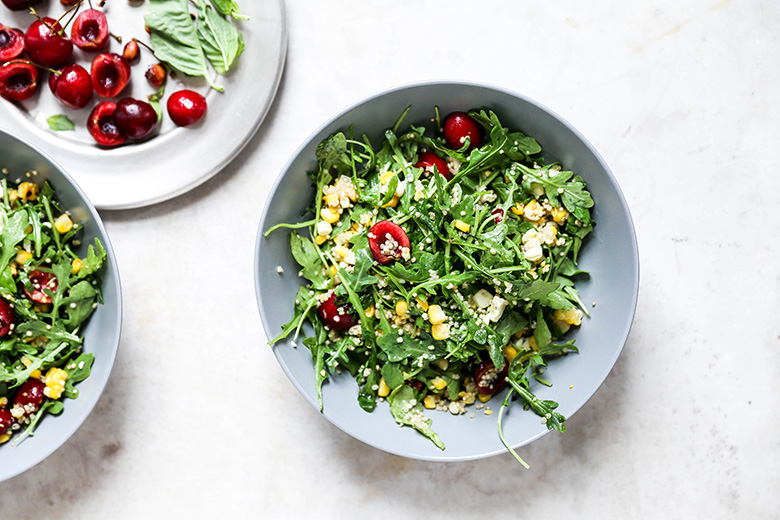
(428, 160)
(18, 80)
(40, 281)
(186, 107)
(457, 127)
(388, 242)
(90, 30)
(6, 320)
(102, 125)
(30, 396)
(45, 44)
(110, 74)
(6, 421)
(135, 118)
(336, 314)
(19, 5)
(72, 85)
(488, 379)
(11, 43)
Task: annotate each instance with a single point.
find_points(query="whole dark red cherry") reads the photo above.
(20, 5)
(428, 160)
(388, 242)
(186, 107)
(102, 125)
(30, 396)
(488, 379)
(110, 74)
(336, 314)
(46, 43)
(135, 118)
(72, 85)
(6, 320)
(90, 30)
(18, 80)
(11, 43)
(457, 127)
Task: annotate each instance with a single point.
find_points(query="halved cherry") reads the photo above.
(388, 242)
(186, 107)
(46, 43)
(19, 5)
(30, 396)
(337, 314)
(6, 318)
(6, 421)
(428, 160)
(18, 80)
(498, 215)
(72, 85)
(488, 379)
(457, 127)
(11, 43)
(90, 30)
(40, 281)
(102, 125)
(110, 73)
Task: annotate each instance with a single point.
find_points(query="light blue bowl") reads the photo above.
(610, 255)
(101, 335)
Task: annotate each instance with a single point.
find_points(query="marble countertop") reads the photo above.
(680, 98)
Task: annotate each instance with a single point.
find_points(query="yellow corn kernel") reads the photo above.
(329, 216)
(333, 270)
(488, 412)
(63, 224)
(29, 191)
(533, 210)
(440, 331)
(35, 374)
(484, 398)
(559, 214)
(463, 226)
(370, 311)
(5, 438)
(439, 383)
(436, 315)
(384, 390)
(75, 266)
(429, 401)
(572, 316)
(517, 209)
(422, 304)
(393, 202)
(320, 239)
(340, 252)
(55, 382)
(418, 195)
(332, 199)
(510, 352)
(385, 177)
(3, 401)
(22, 256)
(26, 362)
(401, 307)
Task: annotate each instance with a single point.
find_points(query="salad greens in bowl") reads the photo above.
(60, 306)
(450, 257)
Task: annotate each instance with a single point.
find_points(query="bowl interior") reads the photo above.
(101, 335)
(610, 255)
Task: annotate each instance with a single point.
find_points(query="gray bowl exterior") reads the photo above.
(101, 335)
(610, 255)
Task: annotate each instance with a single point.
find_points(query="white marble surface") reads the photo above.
(681, 100)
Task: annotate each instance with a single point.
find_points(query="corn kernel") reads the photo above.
(559, 214)
(385, 177)
(35, 374)
(26, 362)
(332, 199)
(3, 401)
(5, 438)
(440, 331)
(422, 304)
(439, 383)
(418, 195)
(401, 307)
(384, 390)
(571, 316)
(63, 224)
(533, 210)
(463, 226)
(340, 252)
(329, 216)
(29, 191)
(55, 382)
(517, 209)
(532, 342)
(22, 256)
(320, 239)
(75, 266)
(429, 401)
(510, 352)
(370, 311)
(484, 398)
(393, 202)
(13, 196)
(436, 315)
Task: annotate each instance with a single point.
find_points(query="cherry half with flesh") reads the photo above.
(336, 314)
(11, 43)
(41, 280)
(388, 242)
(6, 421)
(135, 118)
(186, 107)
(457, 127)
(110, 74)
(72, 85)
(6, 320)
(30, 396)
(102, 125)
(428, 160)
(46, 44)
(90, 30)
(18, 80)
(488, 379)
(20, 5)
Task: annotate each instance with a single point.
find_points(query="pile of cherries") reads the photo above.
(46, 46)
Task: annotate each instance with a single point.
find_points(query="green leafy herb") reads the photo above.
(221, 41)
(60, 123)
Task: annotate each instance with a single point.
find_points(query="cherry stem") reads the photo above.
(75, 8)
(116, 37)
(136, 40)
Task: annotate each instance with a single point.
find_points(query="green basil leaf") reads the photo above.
(228, 8)
(60, 122)
(220, 40)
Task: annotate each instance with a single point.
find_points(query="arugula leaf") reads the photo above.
(220, 40)
(407, 410)
(81, 368)
(306, 255)
(332, 154)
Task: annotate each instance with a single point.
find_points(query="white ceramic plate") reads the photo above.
(175, 159)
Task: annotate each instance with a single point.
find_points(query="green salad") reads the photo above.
(47, 293)
(441, 268)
